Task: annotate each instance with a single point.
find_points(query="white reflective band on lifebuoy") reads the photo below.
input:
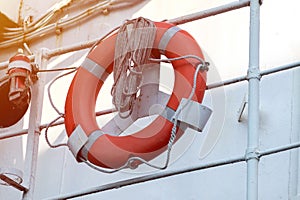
(95, 69)
(19, 64)
(77, 140)
(167, 36)
(92, 139)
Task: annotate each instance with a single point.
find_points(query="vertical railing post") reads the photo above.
(252, 155)
(294, 178)
(33, 129)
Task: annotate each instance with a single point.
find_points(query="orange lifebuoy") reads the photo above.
(110, 151)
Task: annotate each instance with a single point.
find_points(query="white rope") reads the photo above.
(61, 114)
(132, 51)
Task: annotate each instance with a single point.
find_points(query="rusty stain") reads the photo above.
(105, 11)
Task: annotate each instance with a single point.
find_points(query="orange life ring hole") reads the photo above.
(105, 150)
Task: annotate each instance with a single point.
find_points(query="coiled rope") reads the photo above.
(132, 51)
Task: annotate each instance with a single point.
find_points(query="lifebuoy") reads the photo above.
(105, 150)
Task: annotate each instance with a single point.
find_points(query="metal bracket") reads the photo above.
(252, 153)
(253, 73)
(12, 177)
(242, 107)
(205, 66)
(193, 115)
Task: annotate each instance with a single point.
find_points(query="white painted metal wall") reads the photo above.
(225, 40)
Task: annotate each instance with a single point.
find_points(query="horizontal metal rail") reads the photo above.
(165, 174)
(180, 20)
(279, 149)
(43, 126)
(210, 12)
(176, 21)
(151, 177)
(244, 78)
(209, 87)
